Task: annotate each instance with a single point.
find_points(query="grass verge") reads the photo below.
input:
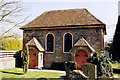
(17, 73)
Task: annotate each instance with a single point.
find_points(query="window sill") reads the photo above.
(66, 52)
(49, 52)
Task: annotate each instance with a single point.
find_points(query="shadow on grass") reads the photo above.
(116, 71)
(62, 77)
(12, 73)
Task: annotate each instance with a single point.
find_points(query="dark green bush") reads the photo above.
(19, 59)
(58, 66)
(70, 66)
(103, 64)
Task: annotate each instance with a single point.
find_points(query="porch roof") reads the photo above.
(83, 42)
(35, 42)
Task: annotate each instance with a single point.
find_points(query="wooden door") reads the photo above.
(81, 58)
(32, 58)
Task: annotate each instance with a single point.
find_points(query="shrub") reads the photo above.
(103, 64)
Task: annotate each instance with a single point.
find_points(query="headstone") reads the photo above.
(89, 70)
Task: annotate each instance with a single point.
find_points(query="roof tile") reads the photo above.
(67, 17)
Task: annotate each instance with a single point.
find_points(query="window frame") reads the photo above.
(64, 41)
(53, 43)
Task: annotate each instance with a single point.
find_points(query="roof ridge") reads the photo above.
(64, 10)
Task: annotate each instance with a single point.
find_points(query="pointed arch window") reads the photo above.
(50, 42)
(68, 42)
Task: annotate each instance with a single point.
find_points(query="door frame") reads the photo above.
(40, 55)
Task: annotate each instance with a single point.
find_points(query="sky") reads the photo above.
(104, 10)
(69, 0)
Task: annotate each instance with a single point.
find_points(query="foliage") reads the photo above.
(70, 66)
(26, 60)
(103, 64)
(115, 65)
(114, 49)
(19, 59)
(10, 14)
(58, 66)
(11, 43)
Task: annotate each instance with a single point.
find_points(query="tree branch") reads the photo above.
(15, 26)
(3, 16)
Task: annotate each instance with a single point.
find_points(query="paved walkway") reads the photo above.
(44, 70)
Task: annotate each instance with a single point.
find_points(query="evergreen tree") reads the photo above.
(115, 47)
(26, 60)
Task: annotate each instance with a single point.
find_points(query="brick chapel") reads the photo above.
(63, 35)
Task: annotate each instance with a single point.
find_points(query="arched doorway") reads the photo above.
(32, 58)
(81, 58)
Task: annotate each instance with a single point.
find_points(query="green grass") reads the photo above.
(16, 73)
(116, 65)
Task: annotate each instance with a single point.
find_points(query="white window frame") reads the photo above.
(64, 41)
(46, 43)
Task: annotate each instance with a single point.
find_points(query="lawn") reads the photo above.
(17, 73)
(116, 68)
(116, 65)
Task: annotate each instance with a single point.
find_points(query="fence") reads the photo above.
(7, 59)
(7, 53)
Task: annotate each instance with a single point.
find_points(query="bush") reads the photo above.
(103, 64)
(58, 66)
(19, 59)
(70, 66)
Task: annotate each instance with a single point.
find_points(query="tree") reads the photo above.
(26, 60)
(11, 43)
(115, 47)
(10, 11)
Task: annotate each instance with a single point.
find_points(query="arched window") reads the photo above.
(68, 42)
(50, 43)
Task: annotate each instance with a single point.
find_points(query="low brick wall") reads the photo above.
(6, 63)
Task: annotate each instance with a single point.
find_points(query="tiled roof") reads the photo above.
(83, 42)
(69, 17)
(34, 42)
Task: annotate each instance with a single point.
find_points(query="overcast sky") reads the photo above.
(105, 10)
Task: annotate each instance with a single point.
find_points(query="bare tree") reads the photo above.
(10, 11)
